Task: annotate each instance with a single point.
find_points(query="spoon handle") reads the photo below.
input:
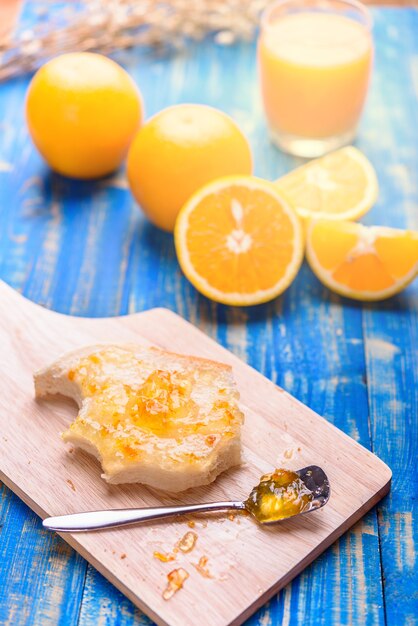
(96, 520)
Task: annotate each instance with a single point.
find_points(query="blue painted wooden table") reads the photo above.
(85, 249)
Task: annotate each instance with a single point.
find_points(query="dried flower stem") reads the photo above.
(106, 26)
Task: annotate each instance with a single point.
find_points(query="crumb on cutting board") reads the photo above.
(202, 567)
(187, 542)
(176, 580)
(123, 555)
(70, 482)
(164, 557)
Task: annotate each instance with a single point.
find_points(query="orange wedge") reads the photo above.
(362, 262)
(341, 185)
(238, 241)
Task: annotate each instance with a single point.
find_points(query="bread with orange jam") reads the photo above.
(165, 420)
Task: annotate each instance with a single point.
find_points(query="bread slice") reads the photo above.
(149, 416)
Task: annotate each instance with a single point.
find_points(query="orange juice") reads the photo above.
(314, 70)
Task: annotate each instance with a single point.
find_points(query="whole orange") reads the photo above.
(82, 111)
(179, 150)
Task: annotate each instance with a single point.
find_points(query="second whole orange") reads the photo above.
(177, 151)
(83, 111)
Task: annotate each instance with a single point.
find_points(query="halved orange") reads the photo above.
(362, 262)
(238, 241)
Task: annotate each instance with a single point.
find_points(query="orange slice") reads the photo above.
(341, 185)
(238, 241)
(362, 262)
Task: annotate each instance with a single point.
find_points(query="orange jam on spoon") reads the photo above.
(279, 495)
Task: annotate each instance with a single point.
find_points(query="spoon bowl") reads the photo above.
(284, 493)
(317, 482)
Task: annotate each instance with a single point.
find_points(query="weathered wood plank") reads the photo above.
(391, 328)
(41, 577)
(103, 604)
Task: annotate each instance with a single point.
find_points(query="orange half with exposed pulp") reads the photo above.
(238, 241)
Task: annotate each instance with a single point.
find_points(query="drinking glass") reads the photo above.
(314, 60)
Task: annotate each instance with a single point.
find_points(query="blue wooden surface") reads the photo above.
(85, 249)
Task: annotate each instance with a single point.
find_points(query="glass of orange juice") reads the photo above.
(314, 59)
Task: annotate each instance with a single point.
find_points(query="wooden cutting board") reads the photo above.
(248, 563)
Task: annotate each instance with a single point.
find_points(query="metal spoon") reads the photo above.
(313, 477)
